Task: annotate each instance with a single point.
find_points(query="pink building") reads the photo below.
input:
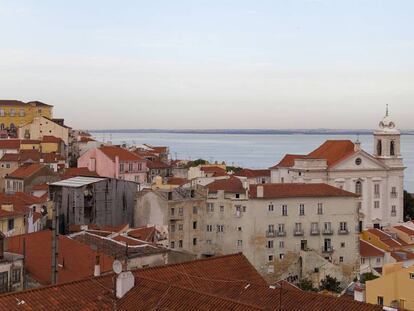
(115, 162)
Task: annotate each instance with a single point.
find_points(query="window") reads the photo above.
(172, 244)
(376, 204)
(376, 190)
(172, 227)
(194, 225)
(301, 209)
(411, 276)
(380, 301)
(239, 228)
(281, 228)
(10, 224)
(314, 228)
(195, 241)
(180, 227)
(298, 227)
(393, 210)
(180, 211)
(358, 161)
(392, 148)
(172, 211)
(327, 226)
(180, 243)
(341, 259)
(270, 244)
(281, 256)
(208, 242)
(121, 167)
(239, 242)
(4, 281)
(320, 208)
(271, 228)
(222, 209)
(358, 187)
(16, 276)
(343, 226)
(12, 112)
(378, 260)
(270, 258)
(271, 207)
(281, 244)
(2, 113)
(379, 147)
(130, 167)
(342, 244)
(393, 192)
(220, 228)
(194, 209)
(284, 210)
(362, 261)
(244, 209)
(237, 195)
(209, 228)
(210, 207)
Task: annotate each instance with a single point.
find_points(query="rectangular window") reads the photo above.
(172, 227)
(172, 244)
(180, 211)
(393, 192)
(239, 228)
(301, 209)
(270, 258)
(378, 259)
(271, 207)
(284, 210)
(393, 210)
(222, 209)
(376, 204)
(194, 225)
(320, 208)
(220, 228)
(281, 256)
(271, 228)
(4, 276)
(121, 167)
(16, 276)
(209, 228)
(172, 210)
(281, 228)
(411, 276)
(195, 241)
(130, 167)
(180, 243)
(210, 207)
(239, 242)
(208, 242)
(180, 227)
(343, 227)
(341, 259)
(380, 301)
(270, 244)
(237, 195)
(298, 227)
(195, 210)
(376, 190)
(10, 224)
(281, 244)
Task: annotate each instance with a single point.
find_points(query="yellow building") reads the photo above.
(13, 219)
(14, 113)
(29, 144)
(395, 288)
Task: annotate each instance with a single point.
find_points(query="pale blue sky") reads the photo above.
(211, 64)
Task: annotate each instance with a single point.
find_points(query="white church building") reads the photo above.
(378, 178)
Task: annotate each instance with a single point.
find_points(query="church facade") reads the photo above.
(378, 178)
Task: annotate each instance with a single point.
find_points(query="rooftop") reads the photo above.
(124, 155)
(249, 173)
(368, 250)
(274, 191)
(26, 170)
(12, 102)
(77, 182)
(231, 185)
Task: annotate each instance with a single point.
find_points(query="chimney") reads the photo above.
(259, 191)
(97, 270)
(125, 281)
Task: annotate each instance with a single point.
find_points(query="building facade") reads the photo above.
(377, 178)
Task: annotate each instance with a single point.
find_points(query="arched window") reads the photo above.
(392, 148)
(379, 147)
(358, 187)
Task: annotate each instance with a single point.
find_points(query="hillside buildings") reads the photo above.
(377, 178)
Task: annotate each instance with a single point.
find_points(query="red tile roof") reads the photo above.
(85, 139)
(143, 233)
(13, 102)
(9, 144)
(124, 155)
(157, 164)
(76, 260)
(249, 173)
(41, 187)
(402, 256)
(128, 241)
(333, 151)
(368, 250)
(405, 229)
(52, 157)
(386, 238)
(30, 142)
(78, 171)
(206, 284)
(231, 185)
(51, 139)
(215, 170)
(273, 191)
(176, 181)
(26, 170)
(22, 156)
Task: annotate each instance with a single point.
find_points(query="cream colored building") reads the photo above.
(378, 178)
(43, 126)
(275, 225)
(395, 288)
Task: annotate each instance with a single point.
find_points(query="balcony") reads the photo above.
(327, 231)
(343, 231)
(179, 216)
(327, 249)
(281, 233)
(315, 231)
(298, 232)
(270, 234)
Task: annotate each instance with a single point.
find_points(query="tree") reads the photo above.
(368, 277)
(408, 206)
(330, 284)
(306, 285)
(196, 163)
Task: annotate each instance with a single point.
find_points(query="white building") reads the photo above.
(378, 178)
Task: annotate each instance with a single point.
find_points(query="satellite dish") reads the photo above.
(117, 266)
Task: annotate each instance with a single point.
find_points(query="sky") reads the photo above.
(211, 64)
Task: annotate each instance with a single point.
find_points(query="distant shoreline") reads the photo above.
(248, 131)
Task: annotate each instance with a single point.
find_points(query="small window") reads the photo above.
(180, 227)
(342, 244)
(378, 259)
(180, 243)
(358, 161)
(172, 244)
(320, 208)
(10, 224)
(239, 228)
(270, 258)
(271, 207)
(281, 256)
(221, 209)
(270, 244)
(302, 209)
(209, 228)
(281, 244)
(194, 209)
(411, 276)
(194, 225)
(239, 242)
(237, 195)
(195, 241)
(341, 259)
(16, 276)
(284, 210)
(376, 204)
(380, 301)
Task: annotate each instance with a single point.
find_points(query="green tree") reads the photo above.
(368, 277)
(197, 162)
(330, 284)
(306, 285)
(408, 206)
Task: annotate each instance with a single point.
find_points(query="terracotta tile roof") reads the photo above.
(19, 208)
(52, 157)
(27, 198)
(36, 216)
(41, 187)
(10, 157)
(401, 256)
(285, 284)
(76, 260)
(333, 151)
(85, 139)
(157, 164)
(249, 173)
(157, 149)
(51, 139)
(288, 160)
(30, 142)
(22, 156)
(405, 229)
(274, 191)
(231, 185)
(215, 170)
(143, 233)
(386, 238)
(117, 249)
(124, 155)
(111, 229)
(13, 102)
(78, 171)
(26, 170)
(368, 250)
(206, 284)
(128, 240)
(176, 181)
(9, 144)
